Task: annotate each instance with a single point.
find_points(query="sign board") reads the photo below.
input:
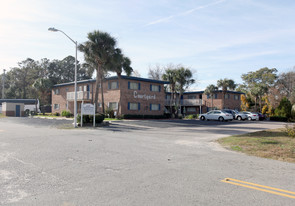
(88, 109)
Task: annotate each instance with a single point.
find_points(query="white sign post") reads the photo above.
(88, 109)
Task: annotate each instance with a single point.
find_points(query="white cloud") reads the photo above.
(165, 19)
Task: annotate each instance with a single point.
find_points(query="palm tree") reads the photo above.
(184, 80)
(170, 76)
(119, 63)
(210, 90)
(99, 47)
(225, 84)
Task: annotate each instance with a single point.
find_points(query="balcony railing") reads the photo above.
(81, 95)
(185, 102)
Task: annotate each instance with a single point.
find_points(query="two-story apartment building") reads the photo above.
(197, 102)
(134, 95)
(124, 95)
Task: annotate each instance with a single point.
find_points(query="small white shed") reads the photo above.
(13, 109)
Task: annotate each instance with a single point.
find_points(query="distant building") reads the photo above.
(29, 104)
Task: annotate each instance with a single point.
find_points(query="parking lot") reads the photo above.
(153, 162)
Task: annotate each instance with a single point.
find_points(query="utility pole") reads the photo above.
(3, 84)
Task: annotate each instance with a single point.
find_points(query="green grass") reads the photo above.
(273, 144)
(1, 115)
(111, 119)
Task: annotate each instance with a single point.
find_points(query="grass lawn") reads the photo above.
(1, 115)
(273, 144)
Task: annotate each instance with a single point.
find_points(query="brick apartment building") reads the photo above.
(134, 95)
(198, 102)
(124, 95)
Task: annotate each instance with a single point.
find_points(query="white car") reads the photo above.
(251, 115)
(216, 115)
(241, 116)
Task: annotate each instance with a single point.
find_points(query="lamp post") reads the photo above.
(75, 101)
(3, 84)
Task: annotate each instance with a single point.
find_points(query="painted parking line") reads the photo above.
(254, 186)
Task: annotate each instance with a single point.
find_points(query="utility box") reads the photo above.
(13, 109)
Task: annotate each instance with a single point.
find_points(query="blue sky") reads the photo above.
(215, 38)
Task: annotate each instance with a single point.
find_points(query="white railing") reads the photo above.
(81, 95)
(185, 102)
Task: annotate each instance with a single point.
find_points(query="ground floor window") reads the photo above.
(133, 106)
(191, 109)
(113, 105)
(155, 107)
(56, 106)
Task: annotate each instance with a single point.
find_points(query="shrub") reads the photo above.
(66, 113)
(110, 113)
(284, 109)
(88, 119)
(290, 131)
(278, 118)
(56, 114)
(192, 116)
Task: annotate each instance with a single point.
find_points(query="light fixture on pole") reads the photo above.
(3, 84)
(75, 101)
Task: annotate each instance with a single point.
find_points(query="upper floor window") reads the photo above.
(155, 88)
(134, 85)
(215, 96)
(56, 91)
(192, 97)
(113, 85)
(236, 97)
(226, 96)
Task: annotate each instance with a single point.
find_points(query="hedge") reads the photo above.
(278, 118)
(89, 118)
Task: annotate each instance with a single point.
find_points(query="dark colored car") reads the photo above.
(261, 116)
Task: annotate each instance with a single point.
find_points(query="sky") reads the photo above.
(216, 39)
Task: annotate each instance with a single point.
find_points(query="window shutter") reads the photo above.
(138, 106)
(150, 107)
(109, 85)
(117, 85)
(128, 85)
(150, 87)
(138, 86)
(128, 105)
(159, 107)
(159, 88)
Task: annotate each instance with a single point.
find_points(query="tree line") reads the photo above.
(34, 79)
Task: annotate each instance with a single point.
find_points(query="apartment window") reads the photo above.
(155, 107)
(134, 85)
(113, 85)
(67, 89)
(80, 88)
(191, 109)
(226, 96)
(208, 96)
(168, 96)
(155, 88)
(236, 97)
(85, 88)
(113, 105)
(192, 97)
(56, 91)
(215, 96)
(133, 106)
(56, 106)
(99, 104)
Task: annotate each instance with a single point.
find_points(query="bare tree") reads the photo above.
(135, 73)
(155, 72)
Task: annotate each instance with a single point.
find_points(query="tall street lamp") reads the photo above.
(75, 101)
(3, 84)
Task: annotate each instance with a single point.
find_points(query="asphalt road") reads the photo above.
(134, 163)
